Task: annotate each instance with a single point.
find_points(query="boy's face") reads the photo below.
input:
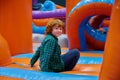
(57, 31)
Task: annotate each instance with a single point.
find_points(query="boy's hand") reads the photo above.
(31, 65)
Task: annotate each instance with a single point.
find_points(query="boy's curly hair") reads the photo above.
(52, 23)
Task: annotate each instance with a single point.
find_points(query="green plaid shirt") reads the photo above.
(50, 55)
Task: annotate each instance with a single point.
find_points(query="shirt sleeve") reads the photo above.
(35, 57)
(48, 51)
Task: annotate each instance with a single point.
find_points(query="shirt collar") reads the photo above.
(54, 36)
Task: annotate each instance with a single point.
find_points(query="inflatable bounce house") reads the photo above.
(92, 26)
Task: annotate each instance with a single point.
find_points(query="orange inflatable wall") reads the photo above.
(16, 24)
(111, 60)
(41, 22)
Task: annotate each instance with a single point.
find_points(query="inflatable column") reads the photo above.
(16, 25)
(111, 61)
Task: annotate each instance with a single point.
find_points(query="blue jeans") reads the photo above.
(70, 59)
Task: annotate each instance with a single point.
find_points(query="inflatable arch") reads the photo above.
(78, 18)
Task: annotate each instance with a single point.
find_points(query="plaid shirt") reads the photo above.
(50, 55)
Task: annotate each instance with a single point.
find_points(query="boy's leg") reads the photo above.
(70, 59)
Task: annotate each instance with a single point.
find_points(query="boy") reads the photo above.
(49, 51)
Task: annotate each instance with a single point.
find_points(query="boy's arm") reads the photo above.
(35, 57)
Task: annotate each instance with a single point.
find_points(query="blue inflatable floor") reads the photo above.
(35, 75)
